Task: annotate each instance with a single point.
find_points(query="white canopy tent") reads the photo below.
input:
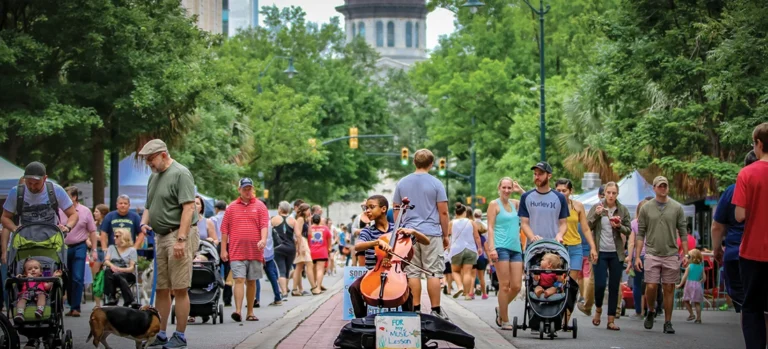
(632, 189)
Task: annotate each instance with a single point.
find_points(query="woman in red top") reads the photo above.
(320, 243)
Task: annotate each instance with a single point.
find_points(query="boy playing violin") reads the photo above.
(376, 209)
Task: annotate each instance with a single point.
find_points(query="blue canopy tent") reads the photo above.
(134, 176)
(9, 177)
(632, 189)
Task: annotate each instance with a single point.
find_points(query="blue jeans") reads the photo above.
(271, 270)
(76, 264)
(608, 265)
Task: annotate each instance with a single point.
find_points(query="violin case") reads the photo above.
(361, 333)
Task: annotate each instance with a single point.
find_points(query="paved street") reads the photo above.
(718, 330)
(227, 335)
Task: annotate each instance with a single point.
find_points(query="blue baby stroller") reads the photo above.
(541, 313)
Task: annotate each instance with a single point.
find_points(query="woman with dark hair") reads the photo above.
(303, 254)
(99, 213)
(320, 244)
(205, 226)
(608, 220)
(464, 249)
(77, 250)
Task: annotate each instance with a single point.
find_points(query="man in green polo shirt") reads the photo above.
(658, 224)
(170, 210)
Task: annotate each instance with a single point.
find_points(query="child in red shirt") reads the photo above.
(548, 282)
(320, 243)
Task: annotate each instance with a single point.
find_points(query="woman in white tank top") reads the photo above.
(465, 248)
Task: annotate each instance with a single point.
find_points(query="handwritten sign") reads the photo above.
(398, 331)
(350, 275)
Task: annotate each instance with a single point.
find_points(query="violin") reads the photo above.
(386, 285)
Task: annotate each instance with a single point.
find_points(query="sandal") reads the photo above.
(498, 319)
(458, 293)
(316, 293)
(596, 320)
(612, 326)
(237, 317)
(323, 289)
(296, 293)
(190, 320)
(697, 322)
(506, 326)
(251, 318)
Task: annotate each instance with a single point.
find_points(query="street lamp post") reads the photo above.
(290, 72)
(473, 5)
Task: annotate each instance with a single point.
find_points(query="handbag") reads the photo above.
(98, 284)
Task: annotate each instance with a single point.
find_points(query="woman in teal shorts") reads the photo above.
(505, 250)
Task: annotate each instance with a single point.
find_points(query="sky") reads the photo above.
(439, 22)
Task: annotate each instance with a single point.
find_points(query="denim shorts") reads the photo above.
(507, 255)
(575, 254)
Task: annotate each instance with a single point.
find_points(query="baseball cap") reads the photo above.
(152, 147)
(35, 170)
(659, 180)
(544, 166)
(246, 182)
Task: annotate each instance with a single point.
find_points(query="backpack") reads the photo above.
(20, 189)
(361, 333)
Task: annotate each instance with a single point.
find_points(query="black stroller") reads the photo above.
(205, 292)
(44, 243)
(545, 314)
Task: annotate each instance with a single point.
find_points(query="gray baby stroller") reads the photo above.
(546, 314)
(205, 292)
(44, 243)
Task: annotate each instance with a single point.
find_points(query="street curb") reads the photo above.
(269, 337)
(485, 336)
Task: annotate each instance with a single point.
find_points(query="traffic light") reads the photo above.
(353, 139)
(404, 156)
(441, 167)
(266, 193)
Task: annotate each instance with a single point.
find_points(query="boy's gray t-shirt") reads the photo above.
(544, 211)
(424, 191)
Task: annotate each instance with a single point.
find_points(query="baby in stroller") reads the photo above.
(33, 291)
(548, 282)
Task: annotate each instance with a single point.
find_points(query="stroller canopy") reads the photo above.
(37, 240)
(209, 249)
(537, 248)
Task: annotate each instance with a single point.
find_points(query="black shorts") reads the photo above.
(320, 260)
(447, 268)
(481, 264)
(733, 283)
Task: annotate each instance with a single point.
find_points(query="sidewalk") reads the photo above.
(320, 329)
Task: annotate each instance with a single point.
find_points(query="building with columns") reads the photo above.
(395, 28)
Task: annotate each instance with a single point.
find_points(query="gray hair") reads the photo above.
(124, 197)
(284, 207)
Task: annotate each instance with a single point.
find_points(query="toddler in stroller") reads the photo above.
(33, 291)
(36, 251)
(548, 282)
(204, 294)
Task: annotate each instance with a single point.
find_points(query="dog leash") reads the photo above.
(154, 271)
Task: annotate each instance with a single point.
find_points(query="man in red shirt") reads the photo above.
(243, 238)
(751, 200)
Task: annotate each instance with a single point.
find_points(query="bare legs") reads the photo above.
(319, 274)
(510, 275)
(481, 275)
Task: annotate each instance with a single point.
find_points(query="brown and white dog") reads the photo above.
(140, 325)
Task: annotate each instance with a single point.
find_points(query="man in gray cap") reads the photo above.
(658, 224)
(36, 201)
(170, 211)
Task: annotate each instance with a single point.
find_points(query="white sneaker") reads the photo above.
(441, 315)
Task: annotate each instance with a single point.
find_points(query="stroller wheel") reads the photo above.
(514, 326)
(574, 328)
(541, 330)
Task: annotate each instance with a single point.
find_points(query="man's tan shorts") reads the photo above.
(429, 257)
(173, 273)
(663, 270)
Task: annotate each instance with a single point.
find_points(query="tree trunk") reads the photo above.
(97, 166)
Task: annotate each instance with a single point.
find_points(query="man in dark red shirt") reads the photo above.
(751, 200)
(243, 238)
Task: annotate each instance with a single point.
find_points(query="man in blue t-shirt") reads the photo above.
(725, 222)
(543, 211)
(124, 220)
